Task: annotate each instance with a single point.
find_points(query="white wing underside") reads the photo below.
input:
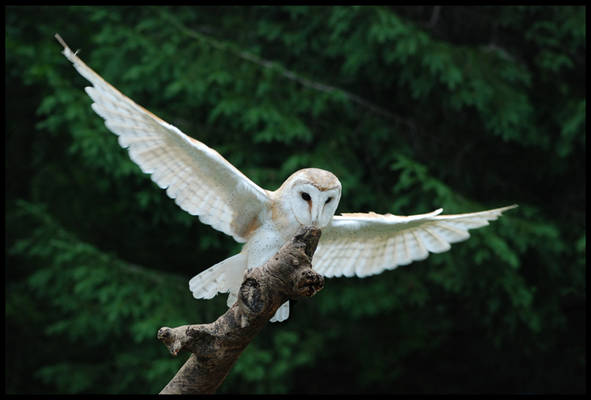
(362, 244)
(197, 177)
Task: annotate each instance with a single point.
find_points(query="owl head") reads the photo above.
(313, 195)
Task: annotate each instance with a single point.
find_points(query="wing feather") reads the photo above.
(402, 256)
(362, 261)
(367, 244)
(197, 177)
(418, 250)
(449, 232)
(386, 257)
(432, 241)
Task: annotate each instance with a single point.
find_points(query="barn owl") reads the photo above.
(204, 184)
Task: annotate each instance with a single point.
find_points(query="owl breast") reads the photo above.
(280, 226)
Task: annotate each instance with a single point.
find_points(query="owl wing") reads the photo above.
(197, 177)
(366, 244)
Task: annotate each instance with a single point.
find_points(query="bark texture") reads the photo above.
(216, 346)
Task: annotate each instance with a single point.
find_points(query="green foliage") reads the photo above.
(96, 301)
(465, 108)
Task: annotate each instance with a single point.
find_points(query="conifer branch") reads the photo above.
(273, 65)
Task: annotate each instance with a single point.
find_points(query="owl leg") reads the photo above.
(282, 313)
(231, 299)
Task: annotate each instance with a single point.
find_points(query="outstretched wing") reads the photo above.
(367, 244)
(197, 177)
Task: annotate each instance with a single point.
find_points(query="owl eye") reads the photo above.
(305, 196)
(328, 200)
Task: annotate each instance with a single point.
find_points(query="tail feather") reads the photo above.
(225, 276)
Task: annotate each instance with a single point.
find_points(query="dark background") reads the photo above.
(413, 108)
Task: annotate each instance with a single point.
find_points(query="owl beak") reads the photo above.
(315, 215)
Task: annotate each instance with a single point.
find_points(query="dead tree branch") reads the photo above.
(216, 346)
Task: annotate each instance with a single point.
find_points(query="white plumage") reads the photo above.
(203, 183)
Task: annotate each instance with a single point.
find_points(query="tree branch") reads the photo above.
(216, 346)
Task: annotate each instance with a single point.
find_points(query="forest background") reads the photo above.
(413, 108)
